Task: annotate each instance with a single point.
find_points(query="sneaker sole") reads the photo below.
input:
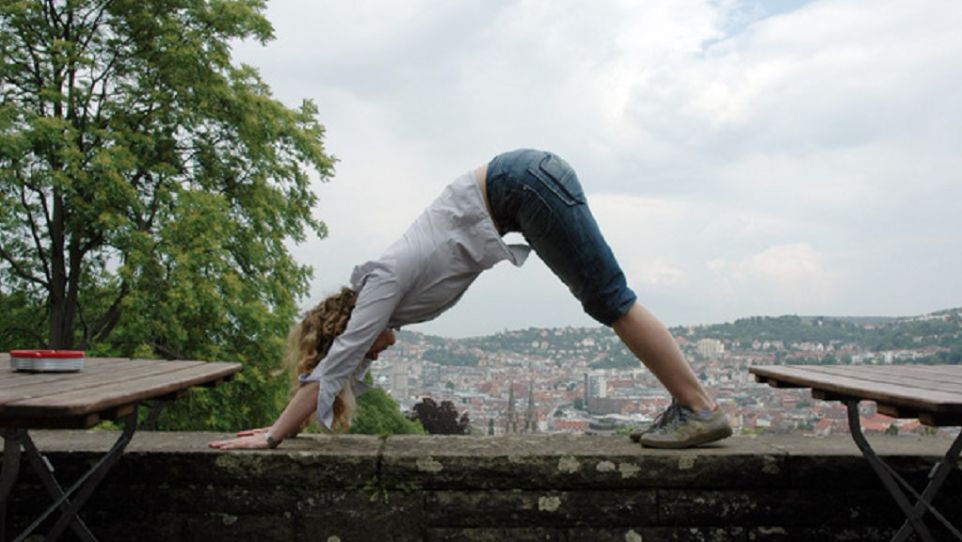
(704, 438)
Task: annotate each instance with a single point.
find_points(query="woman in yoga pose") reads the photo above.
(424, 273)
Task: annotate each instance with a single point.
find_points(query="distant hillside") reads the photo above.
(871, 333)
(934, 337)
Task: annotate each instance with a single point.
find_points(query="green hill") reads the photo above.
(937, 337)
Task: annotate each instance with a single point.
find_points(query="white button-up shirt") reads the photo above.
(420, 276)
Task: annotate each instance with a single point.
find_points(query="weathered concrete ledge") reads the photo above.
(170, 486)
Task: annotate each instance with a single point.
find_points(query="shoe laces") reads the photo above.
(674, 412)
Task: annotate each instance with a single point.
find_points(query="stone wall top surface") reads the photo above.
(413, 446)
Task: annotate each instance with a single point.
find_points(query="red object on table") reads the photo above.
(42, 361)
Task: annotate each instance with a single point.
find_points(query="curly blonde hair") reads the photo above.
(309, 341)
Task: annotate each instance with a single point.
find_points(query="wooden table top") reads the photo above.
(931, 393)
(106, 388)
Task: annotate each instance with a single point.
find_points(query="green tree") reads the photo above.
(148, 186)
(21, 321)
(378, 414)
(441, 419)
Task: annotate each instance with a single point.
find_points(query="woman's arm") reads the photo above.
(248, 432)
(300, 407)
(376, 302)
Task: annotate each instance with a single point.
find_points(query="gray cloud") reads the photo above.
(742, 157)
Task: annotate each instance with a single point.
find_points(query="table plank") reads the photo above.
(98, 398)
(916, 397)
(99, 366)
(939, 372)
(892, 375)
(908, 375)
(111, 374)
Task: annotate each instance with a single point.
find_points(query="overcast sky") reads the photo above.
(742, 157)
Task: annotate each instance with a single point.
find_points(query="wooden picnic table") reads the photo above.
(106, 389)
(930, 393)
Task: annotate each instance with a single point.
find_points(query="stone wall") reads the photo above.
(170, 486)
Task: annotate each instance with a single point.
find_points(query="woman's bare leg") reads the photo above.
(648, 339)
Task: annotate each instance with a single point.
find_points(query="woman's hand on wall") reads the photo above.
(249, 442)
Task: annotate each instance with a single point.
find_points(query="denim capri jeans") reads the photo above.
(537, 194)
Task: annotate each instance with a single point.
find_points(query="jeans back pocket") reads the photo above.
(556, 175)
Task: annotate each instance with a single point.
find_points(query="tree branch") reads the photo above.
(102, 77)
(38, 244)
(36, 71)
(95, 240)
(10, 332)
(19, 271)
(171, 354)
(95, 24)
(111, 318)
(53, 15)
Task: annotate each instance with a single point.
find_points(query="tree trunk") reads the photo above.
(73, 288)
(61, 336)
(61, 296)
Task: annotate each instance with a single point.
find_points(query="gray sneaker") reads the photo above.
(661, 420)
(679, 427)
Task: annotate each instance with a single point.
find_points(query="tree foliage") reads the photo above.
(441, 419)
(378, 414)
(148, 186)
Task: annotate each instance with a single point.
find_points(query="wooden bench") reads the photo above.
(930, 393)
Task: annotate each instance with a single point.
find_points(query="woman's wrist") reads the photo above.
(272, 442)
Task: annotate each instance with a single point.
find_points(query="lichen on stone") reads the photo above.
(248, 464)
(305, 457)
(628, 470)
(770, 466)
(568, 464)
(605, 466)
(429, 464)
(549, 504)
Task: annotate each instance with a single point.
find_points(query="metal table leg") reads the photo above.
(936, 477)
(44, 471)
(891, 480)
(73, 499)
(88, 482)
(11, 467)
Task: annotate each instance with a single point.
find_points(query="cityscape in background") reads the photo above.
(583, 380)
